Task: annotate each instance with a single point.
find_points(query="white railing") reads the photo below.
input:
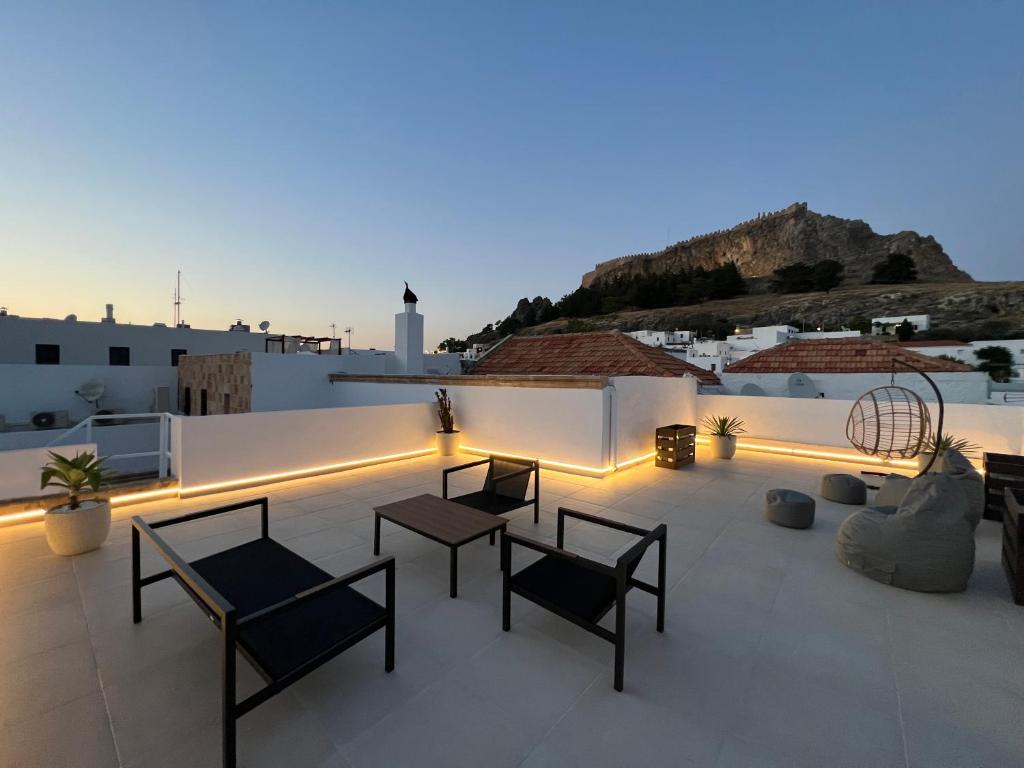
(164, 451)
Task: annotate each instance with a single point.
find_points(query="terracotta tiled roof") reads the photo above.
(840, 356)
(933, 343)
(605, 353)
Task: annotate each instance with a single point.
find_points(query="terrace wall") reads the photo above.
(20, 470)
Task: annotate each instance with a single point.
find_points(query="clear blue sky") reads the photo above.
(299, 160)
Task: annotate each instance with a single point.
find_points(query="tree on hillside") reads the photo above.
(997, 362)
(451, 344)
(895, 268)
(905, 330)
(828, 274)
(793, 278)
(861, 324)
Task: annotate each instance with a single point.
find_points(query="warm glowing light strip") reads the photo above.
(159, 493)
(303, 472)
(812, 453)
(550, 463)
(20, 517)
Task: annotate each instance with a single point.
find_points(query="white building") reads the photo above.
(886, 326)
(666, 339)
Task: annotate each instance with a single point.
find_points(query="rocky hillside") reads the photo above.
(794, 234)
(967, 309)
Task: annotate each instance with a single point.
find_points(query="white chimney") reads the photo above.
(110, 315)
(409, 336)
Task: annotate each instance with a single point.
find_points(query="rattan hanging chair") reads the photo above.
(889, 422)
(893, 422)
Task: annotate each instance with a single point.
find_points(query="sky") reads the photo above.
(299, 161)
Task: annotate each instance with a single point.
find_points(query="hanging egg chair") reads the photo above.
(893, 422)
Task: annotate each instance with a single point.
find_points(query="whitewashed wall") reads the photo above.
(211, 449)
(641, 404)
(25, 389)
(20, 470)
(955, 387)
(566, 425)
(823, 422)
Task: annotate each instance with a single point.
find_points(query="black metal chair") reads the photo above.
(504, 487)
(284, 614)
(582, 590)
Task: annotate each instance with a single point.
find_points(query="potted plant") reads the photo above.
(938, 445)
(447, 436)
(723, 431)
(77, 526)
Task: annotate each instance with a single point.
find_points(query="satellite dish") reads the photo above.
(800, 385)
(264, 325)
(752, 390)
(91, 391)
(71, 318)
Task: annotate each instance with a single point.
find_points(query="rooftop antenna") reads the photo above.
(348, 332)
(177, 301)
(334, 331)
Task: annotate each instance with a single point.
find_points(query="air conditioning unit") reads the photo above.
(49, 420)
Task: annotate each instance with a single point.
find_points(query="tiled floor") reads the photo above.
(774, 654)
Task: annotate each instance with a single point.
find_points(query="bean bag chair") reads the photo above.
(846, 489)
(790, 509)
(892, 490)
(957, 466)
(927, 545)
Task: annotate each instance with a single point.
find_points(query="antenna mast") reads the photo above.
(348, 332)
(177, 301)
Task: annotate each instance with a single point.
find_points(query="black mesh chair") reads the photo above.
(582, 590)
(504, 488)
(285, 615)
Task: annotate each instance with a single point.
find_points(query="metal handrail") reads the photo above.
(164, 452)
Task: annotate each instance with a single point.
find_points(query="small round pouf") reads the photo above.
(790, 509)
(846, 489)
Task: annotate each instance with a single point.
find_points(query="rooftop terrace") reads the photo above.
(774, 654)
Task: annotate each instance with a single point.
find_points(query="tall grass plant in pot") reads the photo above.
(938, 445)
(448, 435)
(723, 432)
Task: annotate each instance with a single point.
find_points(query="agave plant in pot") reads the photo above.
(448, 435)
(76, 526)
(723, 431)
(937, 445)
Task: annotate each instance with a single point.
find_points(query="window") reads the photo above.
(713, 366)
(175, 354)
(47, 354)
(187, 405)
(202, 402)
(120, 356)
(227, 403)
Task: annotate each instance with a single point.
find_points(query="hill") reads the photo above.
(968, 310)
(793, 235)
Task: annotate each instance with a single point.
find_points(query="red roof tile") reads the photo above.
(840, 356)
(933, 343)
(605, 353)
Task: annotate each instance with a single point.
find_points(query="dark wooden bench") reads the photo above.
(285, 615)
(582, 590)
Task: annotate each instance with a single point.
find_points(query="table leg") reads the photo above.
(376, 534)
(454, 572)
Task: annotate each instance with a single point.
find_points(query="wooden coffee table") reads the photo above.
(440, 520)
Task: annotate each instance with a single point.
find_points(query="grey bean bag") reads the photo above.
(927, 545)
(790, 509)
(846, 489)
(892, 491)
(956, 465)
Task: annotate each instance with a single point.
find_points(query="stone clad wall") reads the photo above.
(227, 374)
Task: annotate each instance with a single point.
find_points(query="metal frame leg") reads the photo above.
(453, 571)
(662, 548)
(389, 630)
(228, 696)
(506, 591)
(136, 578)
(376, 534)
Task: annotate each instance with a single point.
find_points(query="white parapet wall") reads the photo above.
(235, 450)
(823, 422)
(641, 404)
(20, 469)
(559, 421)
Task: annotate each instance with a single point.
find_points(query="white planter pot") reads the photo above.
(723, 447)
(448, 443)
(74, 531)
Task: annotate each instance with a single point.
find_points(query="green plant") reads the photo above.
(444, 411)
(84, 470)
(723, 426)
(946, 442)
